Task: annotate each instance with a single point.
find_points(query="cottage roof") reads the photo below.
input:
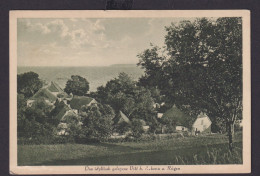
(66, 110)
(180, 117)
(78, 101)
(62, 112)
(54, 87)
(44, 93)
(121, 117)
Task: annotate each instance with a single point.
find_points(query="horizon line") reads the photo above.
(73, 65)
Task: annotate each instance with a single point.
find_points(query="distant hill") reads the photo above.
(123, 65)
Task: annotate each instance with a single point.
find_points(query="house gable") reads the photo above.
(124, 117)
(78, 101)
(120, 118)
(54, 87)
(49, 94)
(45, 94)
(66, 111)
(202, 124)
(62, 113)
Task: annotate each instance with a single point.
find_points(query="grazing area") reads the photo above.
(210, 149)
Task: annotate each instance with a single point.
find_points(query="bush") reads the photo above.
(186, 133)
(122, 128)
(237, 127)
(97, 121)
(130, 138)
(137, 128)
(148, 137)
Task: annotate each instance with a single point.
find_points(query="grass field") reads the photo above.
(211, 149)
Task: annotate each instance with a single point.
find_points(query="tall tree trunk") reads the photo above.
(230, 135)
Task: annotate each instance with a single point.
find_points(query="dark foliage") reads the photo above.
(77, 85)
(202, 67)
(97, 121)
(28, 84)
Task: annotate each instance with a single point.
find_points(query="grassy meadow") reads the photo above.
(211, 149)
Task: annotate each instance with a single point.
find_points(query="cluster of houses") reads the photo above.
(73, 105)
(202, 124)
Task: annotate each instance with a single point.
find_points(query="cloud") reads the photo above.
(73, 19)
(38, 27)
(92, 41)
(74, 32)
(98, 26)
(58, 26)
(54, 26)
(78, 38)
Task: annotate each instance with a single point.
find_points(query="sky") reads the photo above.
(87, 41)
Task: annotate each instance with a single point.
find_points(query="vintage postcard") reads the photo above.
(130, 92)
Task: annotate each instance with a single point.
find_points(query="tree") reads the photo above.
(97, 121)
(124, 95)
(28, 84)
(137, 128)
(143, 105)
(202, 67)
(122, 127)
(77, 85)
(34, 122)
(116, 91)
(152, 61)
(72, 127)
(40, 111)
(155, 126)
(21, 107)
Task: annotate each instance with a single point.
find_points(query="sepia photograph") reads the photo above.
(130, 92)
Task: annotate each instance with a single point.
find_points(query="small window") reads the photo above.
(201, 122)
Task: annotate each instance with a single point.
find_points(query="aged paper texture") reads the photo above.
(79, 104)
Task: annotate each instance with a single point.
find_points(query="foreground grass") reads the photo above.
(190, 150)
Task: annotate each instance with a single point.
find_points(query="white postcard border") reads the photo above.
(232, 168)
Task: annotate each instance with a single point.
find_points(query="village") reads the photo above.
(184, 106)
(78, 127)
(73, 104)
